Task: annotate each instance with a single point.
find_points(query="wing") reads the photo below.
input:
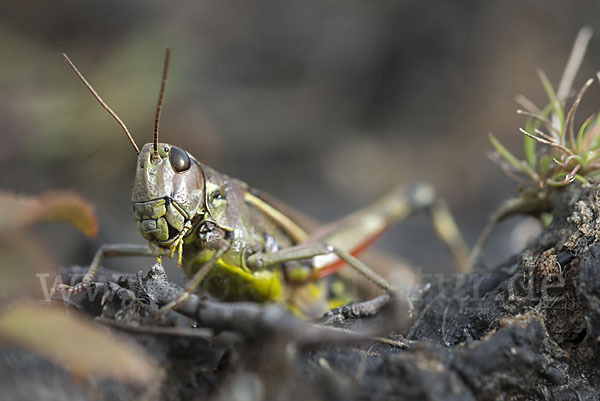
(291, 221)
(355, 232)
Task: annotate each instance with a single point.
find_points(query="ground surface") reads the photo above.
(528, 329)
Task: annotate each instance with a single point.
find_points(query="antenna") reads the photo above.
(160, 98)
(102, 103)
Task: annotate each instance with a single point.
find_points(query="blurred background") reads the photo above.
(324, 104)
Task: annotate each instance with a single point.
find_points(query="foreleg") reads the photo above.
(111, 250)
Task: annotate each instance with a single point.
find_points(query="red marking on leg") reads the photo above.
(338, 264)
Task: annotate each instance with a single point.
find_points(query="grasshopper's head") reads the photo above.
(168, 192)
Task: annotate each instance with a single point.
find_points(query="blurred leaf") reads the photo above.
(22, 255)
(546, 219)
(581, 134)
(529, 144)
(545, 165)
(592, 138)
(75, 343)
(531, 125)
(20, 211)
(509, 157)
(557, 107)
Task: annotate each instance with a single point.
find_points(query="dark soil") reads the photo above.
(528, 329)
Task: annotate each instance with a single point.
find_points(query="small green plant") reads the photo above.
(570, 155)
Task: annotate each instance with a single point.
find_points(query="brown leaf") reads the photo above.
(75, 343)
(20, 211)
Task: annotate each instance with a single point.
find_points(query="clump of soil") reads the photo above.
(527, 329)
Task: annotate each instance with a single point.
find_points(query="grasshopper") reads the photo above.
(242, 244)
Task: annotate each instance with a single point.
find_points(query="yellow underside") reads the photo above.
(228, 282)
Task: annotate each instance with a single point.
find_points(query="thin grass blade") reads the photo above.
(505, 153)
(557, 107)
(581, 135)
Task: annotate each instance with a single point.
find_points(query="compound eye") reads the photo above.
(179, 159)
